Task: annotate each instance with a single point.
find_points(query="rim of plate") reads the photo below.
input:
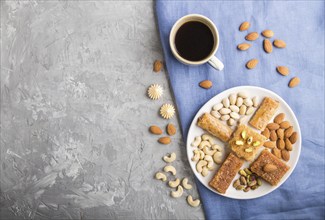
(228, 91)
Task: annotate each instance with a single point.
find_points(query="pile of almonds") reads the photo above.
(170, 129)
(268, 48)
(281, 137)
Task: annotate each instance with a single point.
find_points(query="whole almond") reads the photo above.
(157, 66)
(251, 36)
(285, 155)
(270, 144)
(283, 70)
(273, 136)
(294, 82)
(276, 152)
(279, 118)
(251, 64)
(279, 43)
(267, 45)
(294, 137)
(244, 46)
(266, 133)
(171, 129)
(288, 132)
(155, 130)
(244, 26)
(164, 140)
(280, 144)
(288, 144)
(280, 133)
(267, 33)
(206, 84)
(285, 124)
(272, 126)
(269, 168)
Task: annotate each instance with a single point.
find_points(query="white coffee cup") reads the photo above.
(211, 59)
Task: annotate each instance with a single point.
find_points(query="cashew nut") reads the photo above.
(217, 157)
(178, 192)
(170, 158)
(196, 155)
(185, 184)
(207, 137)
(210, 162)
(218, 148)
(203, 144)
(171, 169)
(202, 154)
(191, 202)
(200, 165)
(174, 183)
(161, 176)
(205, 171)
(207, 151)
(196, 142)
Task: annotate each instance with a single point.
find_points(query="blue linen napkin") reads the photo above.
(301, 25)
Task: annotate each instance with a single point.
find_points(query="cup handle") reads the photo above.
(216, 63)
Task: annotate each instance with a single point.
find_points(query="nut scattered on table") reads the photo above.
(157, 66)
(164, 140)
(267, 33)
(244, 26)
(251, 64)
(283, 70)
(206, 84)
(155, 130)
(171, 129)
(279, 43)
(244, 46)
(252, 36)
(294, 82)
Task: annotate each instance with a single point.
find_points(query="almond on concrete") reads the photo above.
(244, 26)
(285, 155)
(251, 36)
(294, 137)
(279, 43)
(283, 70)
(285, 124)
(269, 168)
(279, 118)
(155, 130)
(164, 140)
(206, 84)
(273, 126)
(251, 64)
(270, 144)
(244, 46)
(267, 45)
(157, 66)
(294, 82)
(267, 33)
(171, 129)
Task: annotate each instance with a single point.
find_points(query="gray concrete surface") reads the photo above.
(75, 115)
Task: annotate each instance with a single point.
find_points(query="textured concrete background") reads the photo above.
(75, 115)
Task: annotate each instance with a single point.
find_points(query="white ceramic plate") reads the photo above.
(194, 131)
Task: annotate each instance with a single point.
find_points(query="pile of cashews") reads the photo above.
(176, 183)
(206, 154)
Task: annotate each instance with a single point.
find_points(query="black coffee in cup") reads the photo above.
(194, 41)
